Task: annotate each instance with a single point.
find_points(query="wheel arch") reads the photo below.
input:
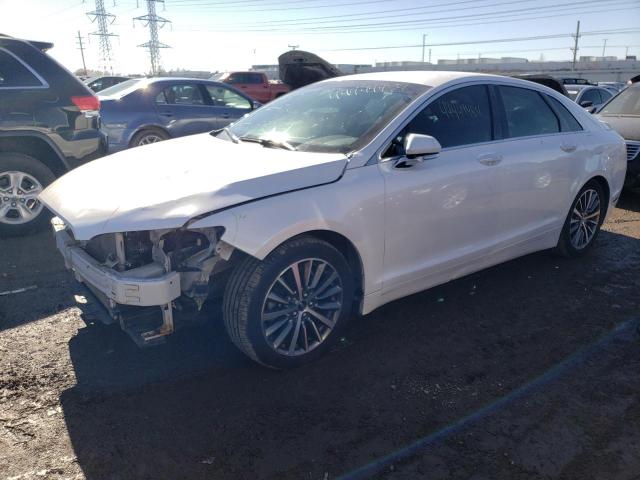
(142, 128)
(604, 184)
(37, 146)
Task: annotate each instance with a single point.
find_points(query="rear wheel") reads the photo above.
(584, 220)
(22, 179)
(148, 136)
(288, 309)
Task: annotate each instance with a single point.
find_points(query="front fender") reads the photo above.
(352, 207)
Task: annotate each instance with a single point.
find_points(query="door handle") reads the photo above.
(166, 114)
(224, 115)
(568, 148)
(490, 159)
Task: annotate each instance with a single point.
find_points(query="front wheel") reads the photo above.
(289, 308)
(583, 222)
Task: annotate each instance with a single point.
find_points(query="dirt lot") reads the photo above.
(528, 370)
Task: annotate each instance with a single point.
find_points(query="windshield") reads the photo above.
(121, 89)
(626, 102)
(333, 117)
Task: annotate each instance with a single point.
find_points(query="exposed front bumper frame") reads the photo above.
(117, 287)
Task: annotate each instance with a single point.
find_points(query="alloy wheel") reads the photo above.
(585, 219)
(302, 307)
(150, 138)
(19, 202)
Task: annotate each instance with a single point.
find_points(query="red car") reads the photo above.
(255, 84)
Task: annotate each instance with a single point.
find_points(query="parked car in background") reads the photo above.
(48, 125)
(617, 86)
(546, 80)
(339, 197)
(254, 84)
(98, 84)
(590, 97)
(622, 113)
(148, 110)
(576, 81)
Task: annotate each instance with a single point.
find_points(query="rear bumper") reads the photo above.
(118, 287)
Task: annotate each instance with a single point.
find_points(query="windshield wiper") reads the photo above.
(269, 143)
(232, 136)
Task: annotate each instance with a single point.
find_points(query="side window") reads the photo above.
(460, 117)
(568, 123)
(223, 97)
(161, 98)
(591, 95)
(606, 95)
(183, 94)
(527, 113)
(254, 78)
(14, 74)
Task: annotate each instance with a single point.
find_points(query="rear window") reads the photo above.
(15, 74)
(122, 89)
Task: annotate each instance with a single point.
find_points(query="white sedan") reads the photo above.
(334, 200)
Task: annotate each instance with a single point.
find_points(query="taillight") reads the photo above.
(87, 103)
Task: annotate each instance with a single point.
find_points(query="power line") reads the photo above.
(479, 42)
(153, 21)
(305, 7)
(431, 21)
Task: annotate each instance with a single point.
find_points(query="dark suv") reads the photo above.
(48, 125)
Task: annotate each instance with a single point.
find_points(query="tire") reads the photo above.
(245, 302)
(148, 136)
(35, 176)
(568, 246)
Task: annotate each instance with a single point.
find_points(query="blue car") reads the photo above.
(148, 110)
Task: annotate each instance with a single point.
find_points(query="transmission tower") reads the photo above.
(103, 19)
(154, 22)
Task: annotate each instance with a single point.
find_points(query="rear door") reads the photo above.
(541, 152)
(227, 105)
(184, 108)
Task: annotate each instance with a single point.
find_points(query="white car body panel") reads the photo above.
(164, 185)
(412, 228)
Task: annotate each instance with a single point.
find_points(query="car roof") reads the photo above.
(44, 46)
(434, 78)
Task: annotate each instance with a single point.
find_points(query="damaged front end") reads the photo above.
(170, 269)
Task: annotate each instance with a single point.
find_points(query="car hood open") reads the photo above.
(164, 185)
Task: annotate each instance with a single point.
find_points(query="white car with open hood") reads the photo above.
(333, 200)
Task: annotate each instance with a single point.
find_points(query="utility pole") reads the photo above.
(575, 46)
(81, 48)
(424, 39)
(429, 55)
(103, 19)
(293, 47)
(626, 52)
(604, 46)
(154, 22)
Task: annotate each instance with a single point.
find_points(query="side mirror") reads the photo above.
(586, 104)
(255, 104)
(417, 145)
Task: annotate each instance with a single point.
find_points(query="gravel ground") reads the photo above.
(527, 370)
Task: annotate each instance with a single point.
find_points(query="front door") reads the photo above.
(440, 214)
(227, 104)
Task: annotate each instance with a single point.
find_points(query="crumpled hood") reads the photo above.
(163, 185)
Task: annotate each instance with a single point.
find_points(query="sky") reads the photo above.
(220, 35)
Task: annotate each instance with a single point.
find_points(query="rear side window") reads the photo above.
(526, 113)
(568, 123)
(255, 78)
(591, 95)
(460, 117)
(14, 73)
(606, 95)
